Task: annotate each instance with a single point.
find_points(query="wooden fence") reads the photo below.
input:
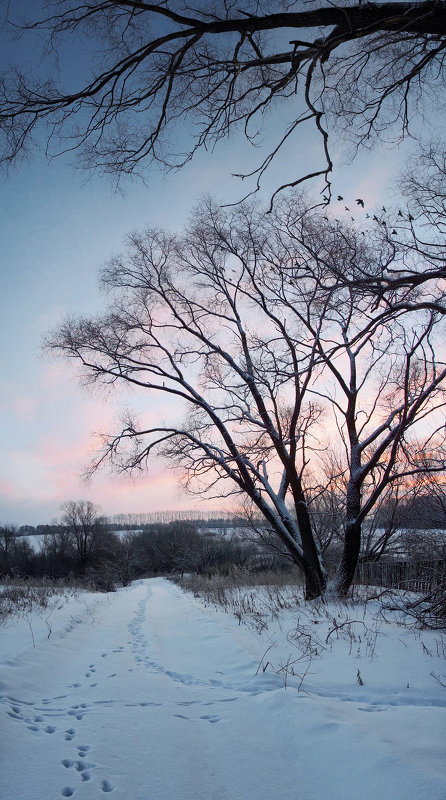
(413, 576)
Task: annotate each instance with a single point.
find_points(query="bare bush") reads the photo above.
(19, 598)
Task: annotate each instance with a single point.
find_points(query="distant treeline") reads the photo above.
(217, 523)
(421, 513)
(105, 559)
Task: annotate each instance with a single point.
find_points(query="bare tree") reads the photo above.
(85, 527)
(417, 231)
(8, 539)
(275, 358)
(366, 66)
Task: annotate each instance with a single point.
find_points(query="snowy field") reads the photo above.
(147, 694)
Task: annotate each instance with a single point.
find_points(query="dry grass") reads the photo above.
(238, 594)
(19, 598)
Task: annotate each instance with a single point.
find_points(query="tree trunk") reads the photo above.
(315, 577)
(315, 583)
(349, 560)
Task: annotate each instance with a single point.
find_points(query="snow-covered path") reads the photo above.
(150, 696)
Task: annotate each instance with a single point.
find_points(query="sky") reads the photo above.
(58, 226)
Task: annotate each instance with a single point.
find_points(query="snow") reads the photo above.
(146, 694)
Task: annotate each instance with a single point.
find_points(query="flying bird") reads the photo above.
(360, 202)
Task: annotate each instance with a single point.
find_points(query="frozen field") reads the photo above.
(146, 694)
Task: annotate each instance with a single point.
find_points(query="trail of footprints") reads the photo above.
(25, 712)
(38, 717)
(80, 764)
(84, 769)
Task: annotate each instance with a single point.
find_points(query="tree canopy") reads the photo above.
(367, 67)
(281, 357)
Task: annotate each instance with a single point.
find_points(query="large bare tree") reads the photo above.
(256, 324)
(156, 66)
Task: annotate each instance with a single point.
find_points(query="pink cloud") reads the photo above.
(7, 489)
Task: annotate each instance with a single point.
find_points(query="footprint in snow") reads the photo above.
(79, 766)
(13, 715)
(106, 786)
(67, 791)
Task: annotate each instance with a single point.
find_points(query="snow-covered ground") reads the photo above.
(146, 694)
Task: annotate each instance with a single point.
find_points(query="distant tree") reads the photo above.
(257, 323)
(8, 537)
(59, 552)
(125, 557)
(85, 528)
(366, 67)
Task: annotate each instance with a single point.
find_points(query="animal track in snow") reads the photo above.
(106, 786)
(143, 705)
(67, 791)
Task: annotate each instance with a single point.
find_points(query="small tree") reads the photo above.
(8, 537)
(85, 527)
(257, 325)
